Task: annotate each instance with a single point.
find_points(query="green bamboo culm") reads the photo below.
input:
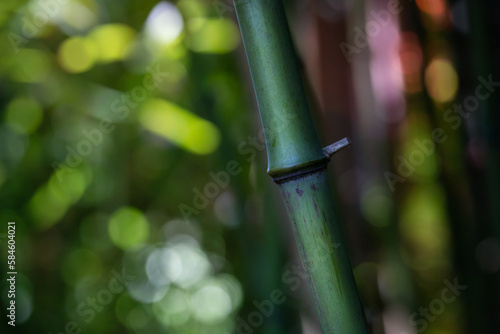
(297, 163)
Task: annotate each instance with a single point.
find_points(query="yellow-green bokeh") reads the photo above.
(77, 54)
(24, 114)
(128, 228)
(52, 199)
(180, 126)
(113, 41)
(212, 35)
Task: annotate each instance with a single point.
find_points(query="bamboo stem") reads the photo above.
(297, 163)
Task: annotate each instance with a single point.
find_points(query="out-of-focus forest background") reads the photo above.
(132, 161)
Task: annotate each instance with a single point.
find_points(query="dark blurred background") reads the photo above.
(132, 161)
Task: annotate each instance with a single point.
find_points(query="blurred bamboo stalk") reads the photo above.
(484, 45)
(298, 164)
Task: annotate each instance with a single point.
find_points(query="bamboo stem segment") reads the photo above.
(319, 239)
(297, 163)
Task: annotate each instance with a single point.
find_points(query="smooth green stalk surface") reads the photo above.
(297, 164)
(319, 238)
(290, 136)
